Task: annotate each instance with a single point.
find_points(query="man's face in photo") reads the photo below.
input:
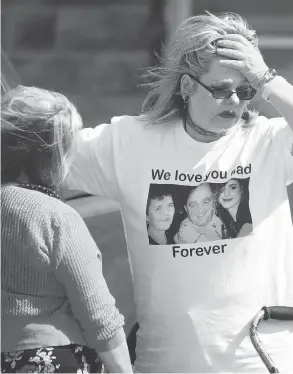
(200, 205)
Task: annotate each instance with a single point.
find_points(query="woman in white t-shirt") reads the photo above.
(194, 301)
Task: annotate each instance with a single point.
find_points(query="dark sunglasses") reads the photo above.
(222, 93)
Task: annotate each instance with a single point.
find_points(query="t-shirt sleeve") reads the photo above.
(78, 267)
(93, 167)
(283, 140)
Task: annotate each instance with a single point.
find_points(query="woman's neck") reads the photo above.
(198, 133)
(198, 137)
(158, 236)
(233, 212)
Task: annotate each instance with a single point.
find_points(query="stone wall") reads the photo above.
(91, 50)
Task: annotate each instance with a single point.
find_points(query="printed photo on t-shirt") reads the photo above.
(178, 214)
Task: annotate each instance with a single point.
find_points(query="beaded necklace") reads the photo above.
(48, 191)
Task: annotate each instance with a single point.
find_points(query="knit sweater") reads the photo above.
(53, 289)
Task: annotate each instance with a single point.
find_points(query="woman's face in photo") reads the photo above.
(161, 213)
(230, 195)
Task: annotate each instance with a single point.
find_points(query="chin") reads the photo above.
(164, 227)
(201, 223)
(225, 124)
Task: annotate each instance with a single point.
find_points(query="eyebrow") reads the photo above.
(229, 185)
(228, 81)
(161, 202)
(157, 205)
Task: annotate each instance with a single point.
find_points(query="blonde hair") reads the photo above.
(38, 130)
(190, 50)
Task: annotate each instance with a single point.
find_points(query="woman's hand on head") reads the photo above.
(240, 54)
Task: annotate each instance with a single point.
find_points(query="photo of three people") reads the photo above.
(177, 214)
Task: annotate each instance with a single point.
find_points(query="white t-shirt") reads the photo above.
(195, 301)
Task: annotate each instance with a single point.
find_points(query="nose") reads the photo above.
(226, 192)
(200, 210)
(234, 99)
(167, 212)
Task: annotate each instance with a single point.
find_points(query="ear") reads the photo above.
(186, 84)
(147, 218)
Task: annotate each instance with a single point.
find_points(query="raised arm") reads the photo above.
(279, 92)
(243, 56)
(77, 265)
(93, 165)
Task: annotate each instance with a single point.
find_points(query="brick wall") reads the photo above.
(91, 50)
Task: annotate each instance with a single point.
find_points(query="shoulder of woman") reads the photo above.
(70, 229)
(64, 214)
(273, 125)
(127, 129)
(140, 123)
(128, 121)
(30, 200)
(263, 129)
(118, 125)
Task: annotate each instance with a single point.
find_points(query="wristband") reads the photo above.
(267, 89)
(268, 76)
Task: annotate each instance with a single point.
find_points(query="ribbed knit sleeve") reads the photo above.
(77, 265)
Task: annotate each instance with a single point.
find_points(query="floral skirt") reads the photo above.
(71, 358)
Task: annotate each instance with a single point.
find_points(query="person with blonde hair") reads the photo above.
(194, 301)
(57, 312)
